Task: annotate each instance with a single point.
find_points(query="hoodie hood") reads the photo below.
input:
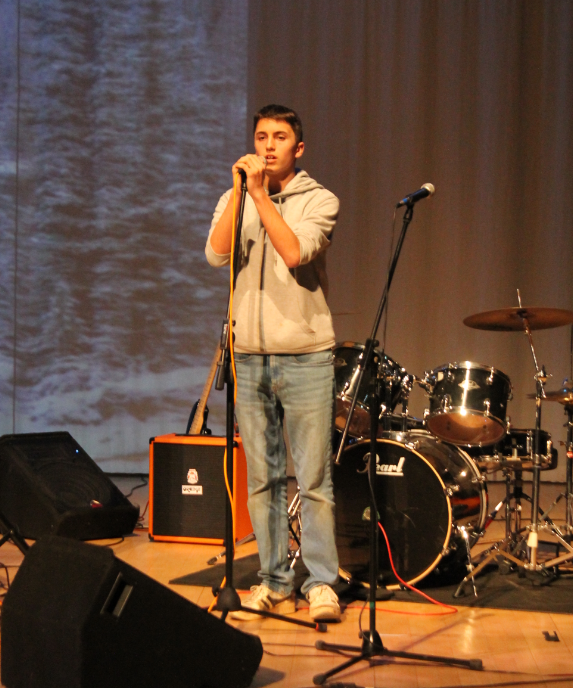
(300, 183)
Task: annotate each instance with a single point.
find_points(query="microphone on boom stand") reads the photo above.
(410, 199)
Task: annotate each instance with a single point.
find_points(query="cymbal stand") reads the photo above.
(569, 454)
(535, 526)
(540, 380)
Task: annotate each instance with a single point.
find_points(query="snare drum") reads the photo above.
(516, 452)
(347, 357)
(468, 403)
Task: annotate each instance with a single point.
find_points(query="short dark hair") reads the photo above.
(282, 113)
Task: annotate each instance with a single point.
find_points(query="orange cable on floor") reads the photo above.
(452, 610)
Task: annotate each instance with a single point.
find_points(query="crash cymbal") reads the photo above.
(513, 319)
(563, 395)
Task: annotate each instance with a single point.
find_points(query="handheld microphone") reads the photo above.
(410, 199)
(244, 174)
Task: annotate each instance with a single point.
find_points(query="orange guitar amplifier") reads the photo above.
(187, 492)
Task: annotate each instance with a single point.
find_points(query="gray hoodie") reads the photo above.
(280, 310)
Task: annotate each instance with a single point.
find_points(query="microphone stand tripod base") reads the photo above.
(228, 600)
(372, 647)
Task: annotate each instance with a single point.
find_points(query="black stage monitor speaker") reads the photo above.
(77, 617)
(50, 486)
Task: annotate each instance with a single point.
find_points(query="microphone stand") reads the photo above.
(228, 599)
(372, 645)
(371, 342)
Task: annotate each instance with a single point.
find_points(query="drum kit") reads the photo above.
(431, 473)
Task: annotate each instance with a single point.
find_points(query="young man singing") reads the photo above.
(283, 354)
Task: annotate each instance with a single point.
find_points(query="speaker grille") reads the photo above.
(49, 484)
(66, 472)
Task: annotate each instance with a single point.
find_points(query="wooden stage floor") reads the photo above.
(511, 644)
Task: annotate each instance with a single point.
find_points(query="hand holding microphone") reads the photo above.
(250, 163)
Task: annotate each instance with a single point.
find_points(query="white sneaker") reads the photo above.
(265, 599)
(323, 604)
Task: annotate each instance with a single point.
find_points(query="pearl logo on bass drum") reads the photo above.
(389, 469)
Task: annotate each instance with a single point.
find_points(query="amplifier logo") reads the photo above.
(192, 489)
(192, 479)
(388, 469)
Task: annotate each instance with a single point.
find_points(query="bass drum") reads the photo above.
(426, 492)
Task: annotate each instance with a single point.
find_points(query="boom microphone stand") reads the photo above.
(372, 645)
(228, 599)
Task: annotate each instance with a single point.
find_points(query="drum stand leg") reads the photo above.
(503, 549)
(497, 553)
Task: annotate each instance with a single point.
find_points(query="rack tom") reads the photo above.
(347, 358)
(468, 403)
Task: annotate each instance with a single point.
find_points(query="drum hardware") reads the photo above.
(295, 533)
(512, 546)
(526, 320)
(565, 397)
(516, 452)
(465, 535)
(295, 528)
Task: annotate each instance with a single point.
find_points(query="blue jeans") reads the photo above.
(298, 389)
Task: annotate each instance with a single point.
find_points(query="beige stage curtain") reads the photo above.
(473, 96)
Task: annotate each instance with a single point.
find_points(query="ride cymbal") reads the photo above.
(513, 319)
